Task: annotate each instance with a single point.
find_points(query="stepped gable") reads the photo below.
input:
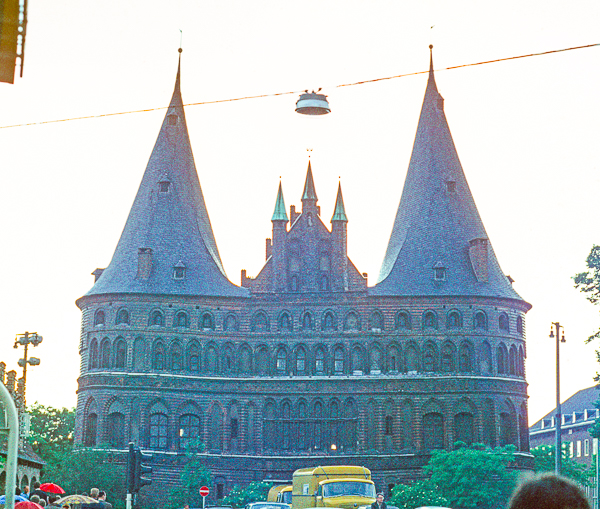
(438, 244)
(167, 245)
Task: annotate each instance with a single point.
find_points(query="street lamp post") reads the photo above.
(24, 340)
(558, 452)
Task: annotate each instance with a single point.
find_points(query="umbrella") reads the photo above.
(50, 487)
(27, 504)
(75, 500)
(18, 498)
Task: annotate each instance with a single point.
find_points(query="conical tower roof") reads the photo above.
(168, 225)
(309, 192)
(280, 214)
(339, 211)
(438, 244)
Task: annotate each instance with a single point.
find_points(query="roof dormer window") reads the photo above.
(451, 186)
(164, 185)
(439, 272)
(179, 271)
(172, 119)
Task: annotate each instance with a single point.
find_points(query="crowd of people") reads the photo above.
(53, 501)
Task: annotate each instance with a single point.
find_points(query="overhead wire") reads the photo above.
(218, 101)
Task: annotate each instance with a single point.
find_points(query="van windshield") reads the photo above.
(286, 497)
(349, 489)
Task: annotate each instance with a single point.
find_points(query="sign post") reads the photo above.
(204, 493)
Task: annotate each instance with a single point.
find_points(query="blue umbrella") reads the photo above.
(18, 498)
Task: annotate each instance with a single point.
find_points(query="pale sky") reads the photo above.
(526, 132)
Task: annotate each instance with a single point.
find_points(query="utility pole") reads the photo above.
(558, 453)
(24, 340)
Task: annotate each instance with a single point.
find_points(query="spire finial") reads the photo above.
(431, 58)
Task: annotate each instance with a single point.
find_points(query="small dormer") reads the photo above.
(164, 185)
(179, 271)
(439, 272)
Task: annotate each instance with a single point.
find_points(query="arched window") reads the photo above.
(157, 318)
(158, 433)
(230, 323)
(94, 354)
(453, 320)
(521, 364)
(212, 360)
(285, 322)
(324, 283)
(402, 320)
(302, 427)
(520, 324)
(286, 434)
(501, 359)
(486, 358)
(429, 320)
(91, 430)
(512, 362)
(464, 428)
(262, 361)
(448, 358)
(357, 361)
(351, 322)
(99, 318)
(465, 360)
(294, 284)
(269, 426)
(429, 359)
(307, 322)
(318, 425)
(116, 430)
(260, 323)
(300, 361)
(376, 361)
(433, 431)
(120, 354)
(158, 356)
(338, 361)
(503, 322)
(228, 360)
(245, 360)
(105, 354)
(182, 320)
(412, 359)
(376, 321)
(189, 432)
(281, 362)
(320, 361)
(328, 322)
(207, 322)
(122, 316)
(193, 357)
(480, 320)
(176, 357)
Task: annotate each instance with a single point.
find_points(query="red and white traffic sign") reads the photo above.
(204, 491)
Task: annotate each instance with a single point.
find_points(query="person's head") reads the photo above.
(17, 491)
(35, 498)
(548, 491)
(380, 497)
(42, 503)
(25, 489)
(102, 495)
(52, 499)
(186, 506)
(94, 492)
(36, 485)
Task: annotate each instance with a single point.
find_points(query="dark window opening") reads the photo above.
(234, 427)
(451, 186)
(389, 425)
(163, 186)
(179, 273)
(172, 119)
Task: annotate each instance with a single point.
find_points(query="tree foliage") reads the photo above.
(254, 492)
(588, 282)
(417, 494)
(473, 477)
(193, 476)
(51, 431)
(544, 462)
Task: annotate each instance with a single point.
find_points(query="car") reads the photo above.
(267, 505)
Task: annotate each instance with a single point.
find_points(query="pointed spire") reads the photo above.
(309, 192)
(280, 214)
(168, 224)
(339, 211)
(437, 221)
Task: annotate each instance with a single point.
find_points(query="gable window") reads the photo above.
(179, 271)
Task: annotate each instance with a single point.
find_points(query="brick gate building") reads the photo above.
(303, 364)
